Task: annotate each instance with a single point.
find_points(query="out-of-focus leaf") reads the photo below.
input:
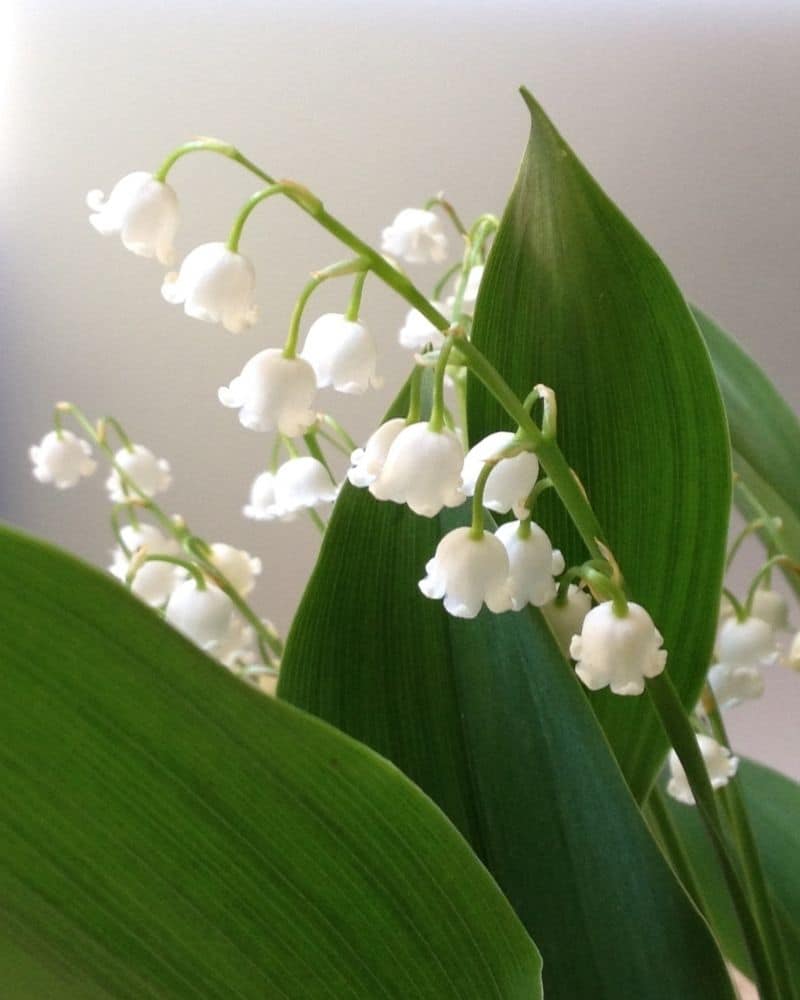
(167, 832)
(573, 297)
(765, 435)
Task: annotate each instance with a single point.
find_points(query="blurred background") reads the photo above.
(685, 112)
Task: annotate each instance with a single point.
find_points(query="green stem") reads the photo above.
(450, 211)
(333, 271)
(763, 573)
(476, 530)
(319, 524)
(209, 145)
(438, 288)
(754, 877)
(333, 423)
(199, 579)
(249, 205)
(745, 533)
(738, 608)
(661, 823)
(436, 421)
(415, 396)
(354, 305)
(316, 452)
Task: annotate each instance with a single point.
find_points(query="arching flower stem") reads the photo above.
(358, 265)
(439, 201)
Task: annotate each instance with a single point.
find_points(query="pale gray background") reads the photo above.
(685, 112)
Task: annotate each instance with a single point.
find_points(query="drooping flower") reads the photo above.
(61, 458)
(417, 330)
(262, 505)
(342, 353)
(732, 685)
(533, 564)
(153, 581)
(367, 462)
(151, 474)
(203, 615)
(416, 236)
(216, 285)
(720, 764)
(240, 568)
(771, 606)
(422, 469)
(618, 652)
(302, 484)
(509, 482)
(143, 211)
(566, 619)
(467, 572)
(273, 393)
(747, 643)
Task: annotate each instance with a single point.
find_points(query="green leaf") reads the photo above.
(773, 805)
(765, 435)
(573, 297)
(488, 719)
(168, 832)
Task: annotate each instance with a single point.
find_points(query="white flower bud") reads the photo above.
(61, 458)
(301, 484)
(416, 236)
(618, 652)
(342, 354)
(154, 581)
(368, 461)
(749, 643)
(566, 619)
(216, 285)
(533, 565)
(262, 505)
(143, 211)
(240, 568)
(720, 764)
(422, 469)
(417, 331)
(732, 685)
(771, 607)
(150, 474)
(509, 482)
(273, 393)
(204, 616)
(468, 572)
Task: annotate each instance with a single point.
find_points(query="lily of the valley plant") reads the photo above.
(519, 601)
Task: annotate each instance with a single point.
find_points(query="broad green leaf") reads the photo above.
(167, 832)
(486, 716)
(765, 435)
(773, 804)
(573, 297)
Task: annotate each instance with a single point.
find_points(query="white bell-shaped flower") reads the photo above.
(273, 393)
(342, 353)
(154, 581)
(422, 469)
(533, 564)
(143, 211)
(416, 235)
(262, 505)
(618, 652)
(205, 616)
(367, 462)
(302, 484)
(732, 685)
(417, 330)
(151, 474)
(748, 643)
(566, 620)
(216, 285)
(510, 481)
(771, 606)
(467, 572)
(720, 764)
(238, 566)
(61, 458)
